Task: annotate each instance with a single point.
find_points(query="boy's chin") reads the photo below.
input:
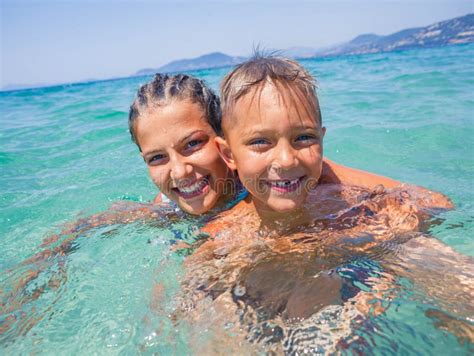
(285, 205)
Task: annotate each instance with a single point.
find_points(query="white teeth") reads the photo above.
(193, 188)
(284, 183)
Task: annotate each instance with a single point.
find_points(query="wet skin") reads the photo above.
(178, 147)
(276, 147)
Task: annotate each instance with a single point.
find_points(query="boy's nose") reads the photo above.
(285, 156)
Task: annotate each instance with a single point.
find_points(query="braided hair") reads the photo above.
(164, 88)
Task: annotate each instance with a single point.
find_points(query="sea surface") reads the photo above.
(66, 154)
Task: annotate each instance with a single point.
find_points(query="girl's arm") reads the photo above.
(334, 173)
(57, 245)
(119, 213)
(445, 278)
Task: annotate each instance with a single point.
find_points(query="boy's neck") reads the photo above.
(279, 222)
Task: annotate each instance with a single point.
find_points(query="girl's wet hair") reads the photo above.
(165, 88)
(293, 81)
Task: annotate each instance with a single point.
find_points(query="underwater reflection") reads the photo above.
(317, 288)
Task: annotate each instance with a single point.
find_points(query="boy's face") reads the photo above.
(276, 149)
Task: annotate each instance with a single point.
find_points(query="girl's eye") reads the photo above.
(156, 159)
(193, 145)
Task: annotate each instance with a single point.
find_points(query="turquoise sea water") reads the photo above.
(66, 153)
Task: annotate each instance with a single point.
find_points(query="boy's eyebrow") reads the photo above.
(257, 130)
(252, 130)
(310, 127)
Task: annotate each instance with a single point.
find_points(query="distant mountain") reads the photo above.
(364, 39)
(211, 60)
(454, 31)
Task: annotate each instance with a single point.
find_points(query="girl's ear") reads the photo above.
(225, 152)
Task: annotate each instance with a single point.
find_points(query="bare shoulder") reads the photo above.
(234, 219)
(226, 230)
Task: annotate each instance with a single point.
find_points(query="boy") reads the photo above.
(274, 258)
(273, 137)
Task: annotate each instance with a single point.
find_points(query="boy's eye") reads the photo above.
(305, 138)
(259, 142)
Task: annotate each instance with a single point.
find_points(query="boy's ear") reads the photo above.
(225, 152)
(324, 131)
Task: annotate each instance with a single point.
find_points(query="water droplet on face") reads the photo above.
(239, 290)
(228, 325)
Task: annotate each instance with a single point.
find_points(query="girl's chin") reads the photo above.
(200, 206)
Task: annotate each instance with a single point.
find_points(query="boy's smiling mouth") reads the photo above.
(284, 185)
(195, 189)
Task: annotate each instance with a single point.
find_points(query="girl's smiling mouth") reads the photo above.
(284, 185)
(195, 189)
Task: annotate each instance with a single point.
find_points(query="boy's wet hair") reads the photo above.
(289, 77)
(165, 88)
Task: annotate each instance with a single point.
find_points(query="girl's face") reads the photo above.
(276, 149)
(178, 147)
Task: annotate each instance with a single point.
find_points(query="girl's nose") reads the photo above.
(179, 169)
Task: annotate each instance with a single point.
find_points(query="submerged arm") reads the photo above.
(440, 271)
(119, 213)
(446, 277)
(61, 244)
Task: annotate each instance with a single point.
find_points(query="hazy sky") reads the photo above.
(44, 41)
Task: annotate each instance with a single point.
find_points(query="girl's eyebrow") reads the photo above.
(180, 141)
(189, 135)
